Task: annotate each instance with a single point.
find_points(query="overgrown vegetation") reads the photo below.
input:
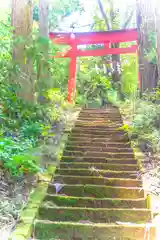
(33, 100)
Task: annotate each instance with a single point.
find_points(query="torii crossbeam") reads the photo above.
(105, 38)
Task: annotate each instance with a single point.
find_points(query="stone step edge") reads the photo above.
(113, 153)
(120, 225)
(106, 164)
(98, 209)
(109, 178)
(98, 199)
(103, 186)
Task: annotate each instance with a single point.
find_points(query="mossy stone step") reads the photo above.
(109, 108)
(92, 114)
(88, 231)
(122, 139)
(55, 200)
(90, 153)
(96, 172)
(98, 191)
(100, 129)
(77, 147)
(102, 120)
(98, 134)
(97, 115)
(102, 166)
(107, 181)
(97, 125)
(71, 159)
(99, 144)
(107, 132)
(94, 215)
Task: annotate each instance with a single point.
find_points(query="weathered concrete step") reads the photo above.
(104, 118)
(94, 159)
(98, 132)
(94, 215)
(89, 231)
(100, 166)
(99, 144)
(109, 181)
(123, 139)
(98, 124)
(110, 112)
(109, 108)
(116, 114)
(100, 116)
(98, 191)
(69, 201)
(90, 153)
(97, 129)
(95, 172)
(77, 147)
(100, 120)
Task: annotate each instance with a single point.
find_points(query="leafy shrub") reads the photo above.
(15, 157)
(145, 122)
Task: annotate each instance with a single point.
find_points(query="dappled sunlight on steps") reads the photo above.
(96, 193)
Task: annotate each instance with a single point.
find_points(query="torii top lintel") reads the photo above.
(115, 36)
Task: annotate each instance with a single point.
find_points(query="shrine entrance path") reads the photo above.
(95, 193)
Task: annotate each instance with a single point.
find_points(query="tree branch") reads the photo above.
(103, 14)
(129, 19)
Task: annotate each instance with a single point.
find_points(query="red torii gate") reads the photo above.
(106, 38)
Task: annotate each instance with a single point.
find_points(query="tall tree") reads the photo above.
(44, 45)
(111, 18)
(158, 36)
(22, 29)
(147, 28)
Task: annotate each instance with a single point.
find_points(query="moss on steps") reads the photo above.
(104, 139)
(90, 153)
(98, 191)
(96, 132)
(119, 182)
(96, 172)
(56, 200)
(101, 134)
(91, 143)
(102, 166)
(98, 160)
(76, 147)
(88, 231)
(94, 215)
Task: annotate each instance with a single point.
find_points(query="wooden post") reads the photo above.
(72, 72)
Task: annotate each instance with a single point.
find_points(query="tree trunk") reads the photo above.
(146, 26)
(158, 38)
(22, 29)
(44, 43)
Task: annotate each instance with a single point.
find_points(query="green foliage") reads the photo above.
(15, 157)
(129, 79)
(151, 52)
(25, 124)
(91, 86)
(145, 123)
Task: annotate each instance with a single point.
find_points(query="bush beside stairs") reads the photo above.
(95, 193)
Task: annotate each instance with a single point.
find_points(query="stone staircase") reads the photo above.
(95, 194)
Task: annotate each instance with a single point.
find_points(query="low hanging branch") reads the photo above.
(104, 14)
(129, 19)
